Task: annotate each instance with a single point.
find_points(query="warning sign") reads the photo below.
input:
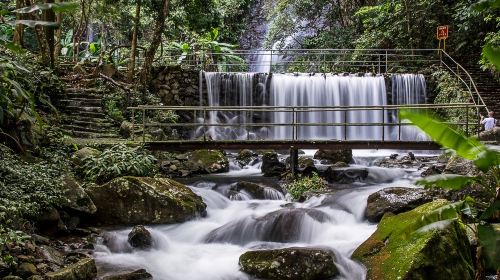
(442, 32)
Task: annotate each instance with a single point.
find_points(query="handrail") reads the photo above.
(471, 81)
(294, 112)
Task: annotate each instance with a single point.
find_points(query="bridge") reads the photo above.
(391, 130)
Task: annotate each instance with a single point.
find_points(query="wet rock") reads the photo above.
(12, 277)
(460, 166)
(433, 170)
(126, 129)
(289, 264)
(490, 135)
(344, 175)
(49, 221)
(51, 255)
(244, 157)
(211, 161)
(271, 166)
(76, 197)
(40, 239)
(4, 269)
(397, 251)
(140, 274)
(26, 270)
(140, 238)
(334, 155)
(255, 190)
(394, 200)
(141, 200)
(83, 153)
(82, 270)
(284, 225)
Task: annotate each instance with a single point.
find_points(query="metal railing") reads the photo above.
(389, 122)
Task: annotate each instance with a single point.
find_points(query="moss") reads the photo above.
(396, 251)
(211, 160)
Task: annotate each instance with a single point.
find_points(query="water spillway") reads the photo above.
(312, 101)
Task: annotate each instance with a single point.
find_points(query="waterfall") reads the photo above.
(290, 91)
(408, 89)
(328, 91)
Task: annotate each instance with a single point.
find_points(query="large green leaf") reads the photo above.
(490, 239)
(447, 181)
(56, 7)
(492, 54)
(444, 135)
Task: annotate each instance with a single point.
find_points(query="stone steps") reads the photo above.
(82, 108)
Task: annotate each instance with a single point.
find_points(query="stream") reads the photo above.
(209, 247)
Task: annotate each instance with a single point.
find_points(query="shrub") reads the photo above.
(117, 161)
(26, 188)
(304, 184)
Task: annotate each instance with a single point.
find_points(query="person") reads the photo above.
(489, 122)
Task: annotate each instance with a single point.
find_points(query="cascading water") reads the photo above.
(209, 248)
(408, 89)
(310, 90)
(328, 91)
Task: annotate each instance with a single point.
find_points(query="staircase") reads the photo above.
(83, 116)
(488, 87)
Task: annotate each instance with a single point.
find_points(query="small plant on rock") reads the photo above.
(303, 184)
(117, 161)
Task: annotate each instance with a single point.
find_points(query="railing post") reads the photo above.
(386, 62)
(133, 125)
(271, 62)
(294, 160)
(383, 124)
(143, 125)
(345, 124)
(379, 64)
(399, 127)
(467, 120)
(204, 124)
(294, 128)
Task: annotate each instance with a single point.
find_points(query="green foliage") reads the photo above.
(485, 159)
(113, 111)
(304, 184)
(117, 161)
(450, 90)
(26, 188)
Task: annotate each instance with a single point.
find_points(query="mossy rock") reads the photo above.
(82, 270)
(460, 166)
(211, 161)
(143, 200)
(334, 156)
(397, 250)
(76, 197)
(83, 153)
(294, 263)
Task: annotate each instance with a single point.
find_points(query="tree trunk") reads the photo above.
(58, 46)
(150, 53)
(131, 67)
(19, 30)
(480, 271)
(49, 15)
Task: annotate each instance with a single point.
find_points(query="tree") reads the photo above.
(155, 43)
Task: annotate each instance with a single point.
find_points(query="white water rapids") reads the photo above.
(209, 248)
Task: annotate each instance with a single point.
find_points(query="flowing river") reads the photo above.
(209, 247)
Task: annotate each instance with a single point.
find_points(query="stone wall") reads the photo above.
(177, 86)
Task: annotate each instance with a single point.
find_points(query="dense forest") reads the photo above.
(58, 56)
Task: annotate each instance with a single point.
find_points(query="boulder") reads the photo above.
(245, 157)
(255, 190)
(394, 200)
(83, 153)
(82, 270)
(142, 200)
(460, 166)
(26, 270)
(140, 238)
(334, 156)
(402, 247)
(210, 161)
(344, 175)
(433, 170)
(140, 274)
(271, 166)
(76, 197)
(284, 225)
(4, 269)
(490, 135)
(126, 129)
(293, 263)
